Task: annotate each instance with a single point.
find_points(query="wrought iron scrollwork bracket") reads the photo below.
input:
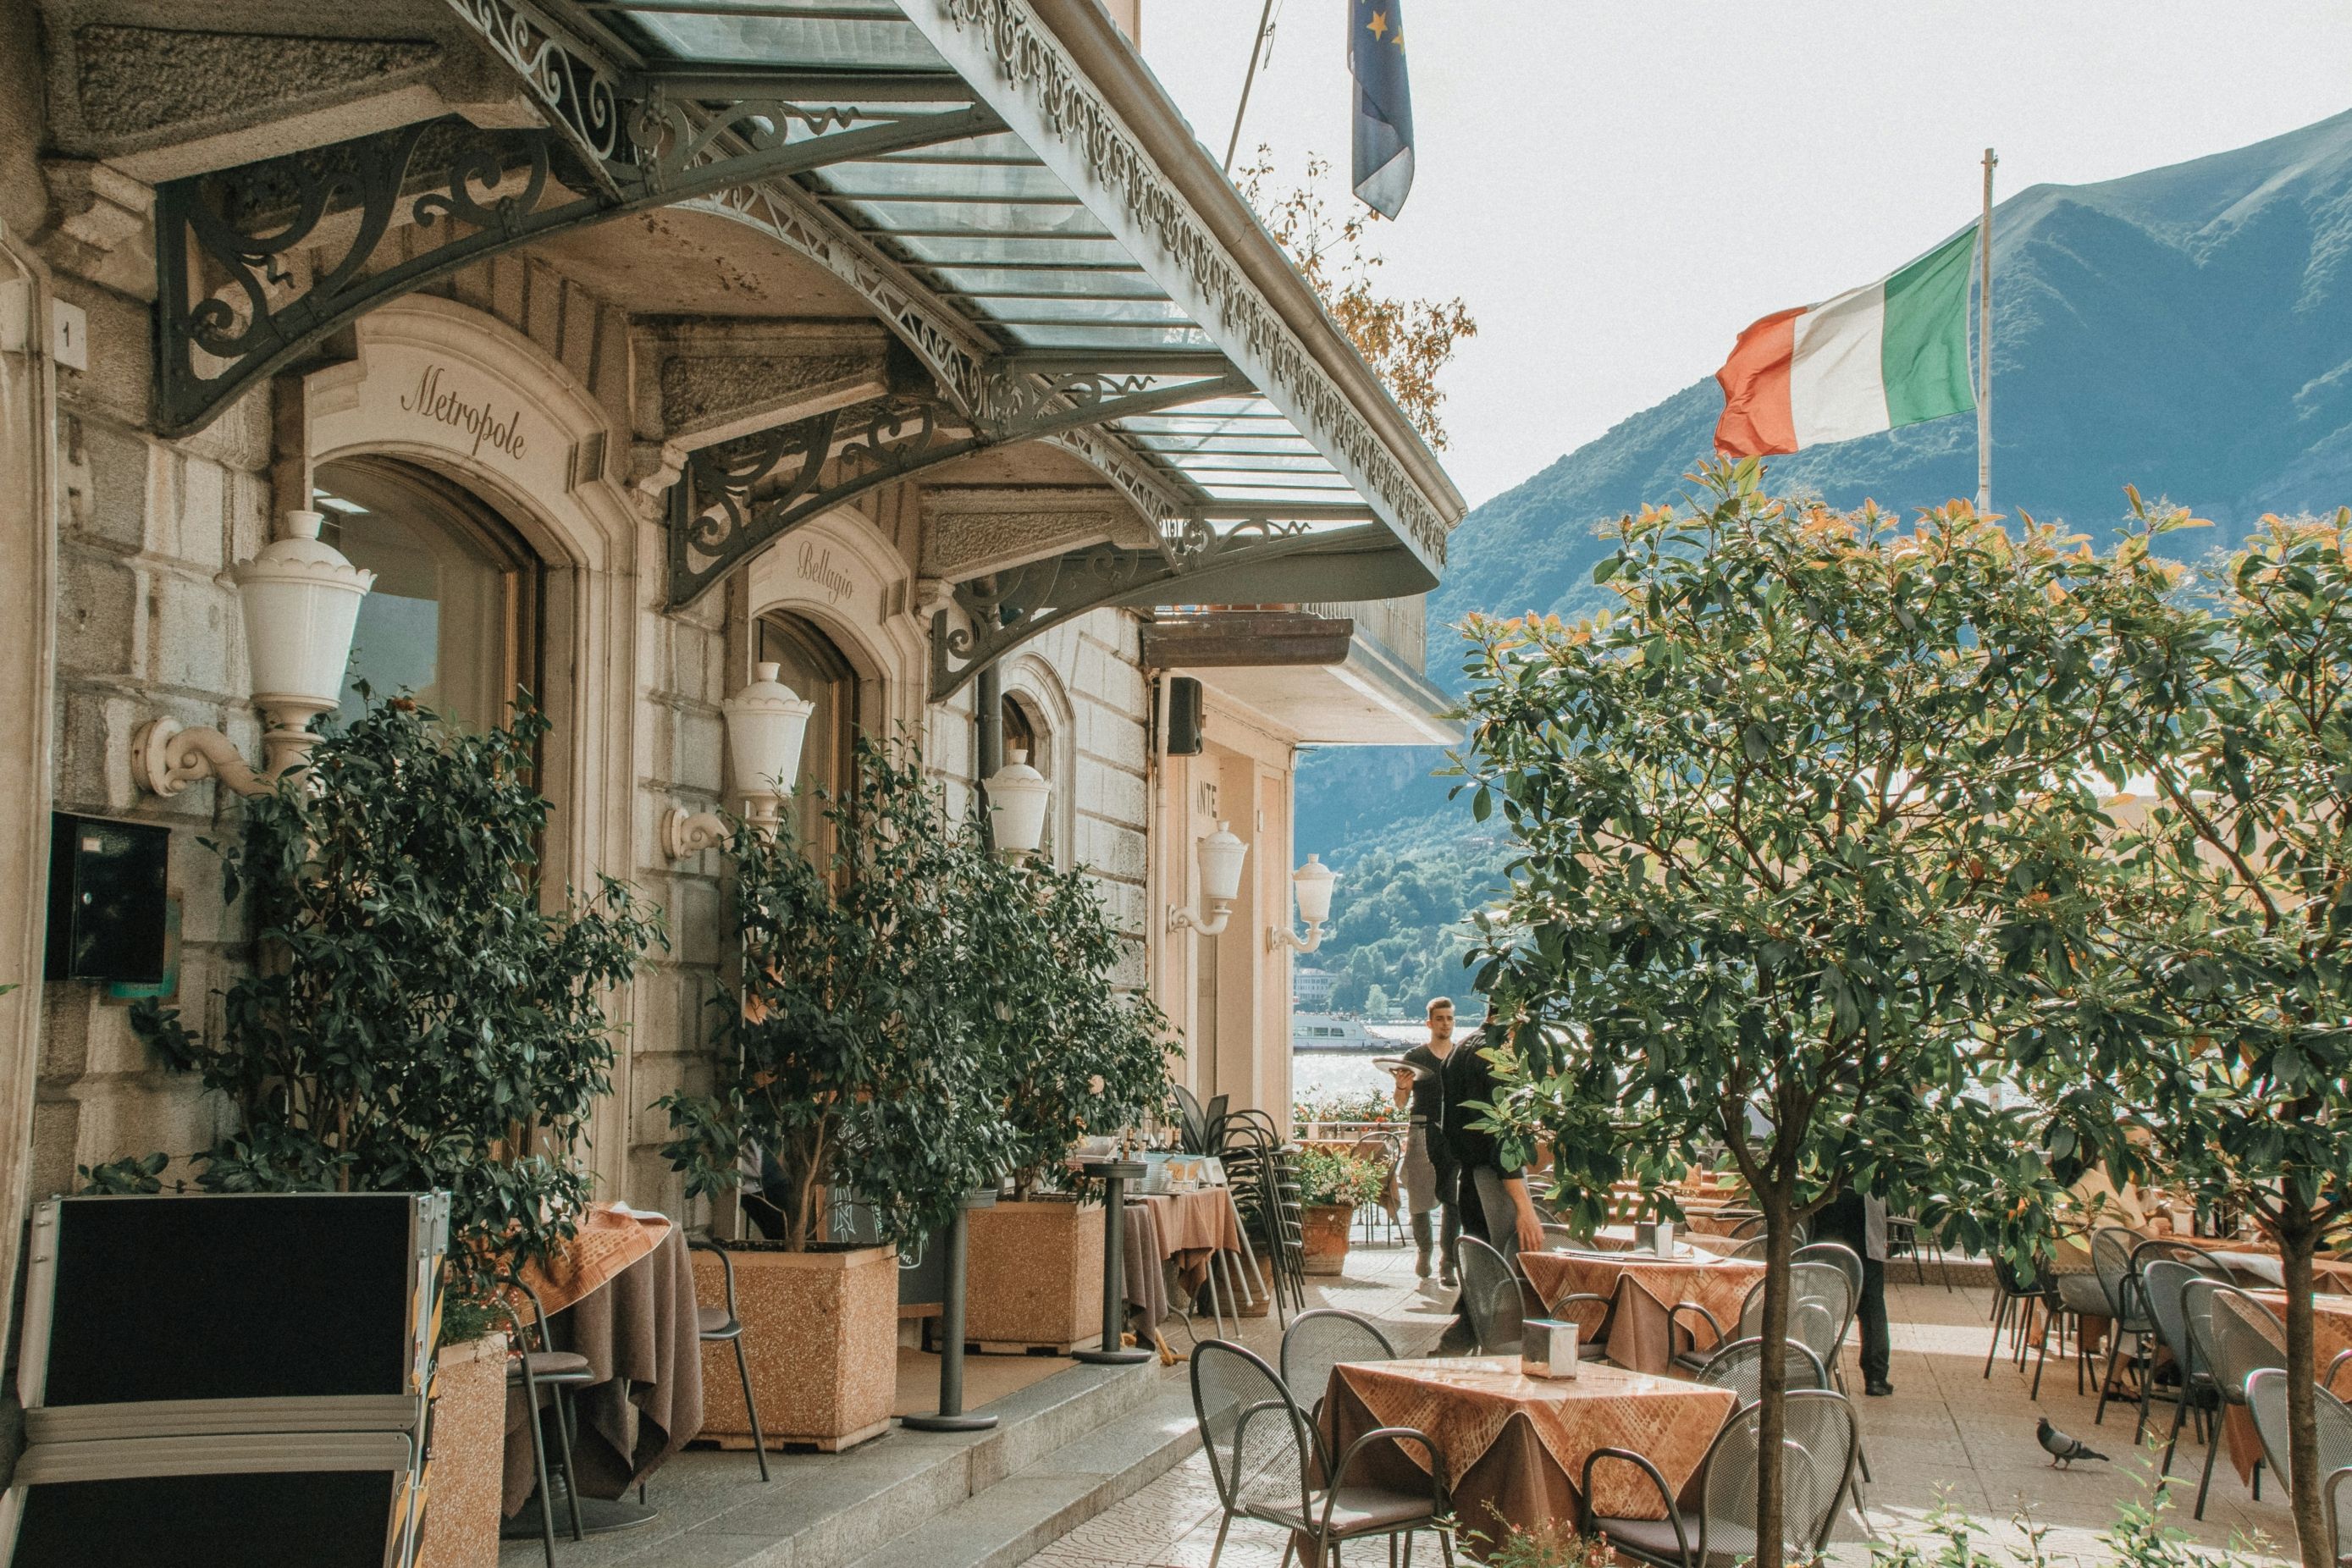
(734, 499)
(1007, 608)
(257, 265)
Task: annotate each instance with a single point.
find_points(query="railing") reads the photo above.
(1400, 626)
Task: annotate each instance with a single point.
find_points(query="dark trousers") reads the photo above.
(1843, 1221)
(1876, 1349)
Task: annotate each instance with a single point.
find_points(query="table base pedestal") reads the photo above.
(598, 1516)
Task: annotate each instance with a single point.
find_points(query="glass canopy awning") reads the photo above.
(997, 235)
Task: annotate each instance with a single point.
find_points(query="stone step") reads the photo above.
(1011, 1521)
(827, 1511)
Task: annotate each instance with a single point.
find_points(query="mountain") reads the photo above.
(2187, 330)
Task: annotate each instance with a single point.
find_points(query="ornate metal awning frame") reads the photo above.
(260, 266)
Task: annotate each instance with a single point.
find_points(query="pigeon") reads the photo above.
(2063, 1450)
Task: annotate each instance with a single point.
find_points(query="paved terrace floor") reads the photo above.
(1947, 1430)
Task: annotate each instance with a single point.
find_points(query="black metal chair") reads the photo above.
(2111, 1251)
(1265, 1456)
(2070, 1298)
(558, 1373)
(1319, 1341)
(2243, 1337)
(2180, 1259)
(723, 1325)
(2165, 1282)
(1739, 1367)
(1821, 1304)
(1816, 1469)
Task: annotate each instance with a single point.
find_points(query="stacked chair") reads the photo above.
(230, 1379)
(1264, 1182)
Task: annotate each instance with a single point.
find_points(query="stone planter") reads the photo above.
(1327, 1225)
(820, 1329)
(1034, 1278)
(468, 1461)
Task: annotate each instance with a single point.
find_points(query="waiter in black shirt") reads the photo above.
(1428, 1167)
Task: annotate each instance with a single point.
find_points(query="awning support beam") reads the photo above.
(734, 499)
(1007, 608)
(240, 295)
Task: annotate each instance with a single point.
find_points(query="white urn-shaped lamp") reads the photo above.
(767, 723)
(299, 600)
(1222, 854)
(1310, 885)
(1017, 797)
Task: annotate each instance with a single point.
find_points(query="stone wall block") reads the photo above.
(121, 352)
(196, 634)
(188, 505)
(1109, 850)
(694, 920)
(111, 505)
(701, 748)
(65, 1031)
(1110, 736)
(204, 916)
(1115, 793)
(101, 613)
(57, 1131)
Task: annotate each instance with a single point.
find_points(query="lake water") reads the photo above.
(1316, 1074)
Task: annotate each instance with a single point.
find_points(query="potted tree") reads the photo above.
(845, 1064)
(423, 1016)
(1331, 1187)
(1068, 1054)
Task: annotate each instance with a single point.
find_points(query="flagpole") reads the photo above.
(1984, 344)
(1257, 45)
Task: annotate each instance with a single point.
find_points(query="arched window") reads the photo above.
(811, 666)
(452, 617)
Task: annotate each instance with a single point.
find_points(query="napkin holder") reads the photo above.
(1662, 1238)
(1548, 1348)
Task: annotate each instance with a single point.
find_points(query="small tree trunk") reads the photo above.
(2299, 1241)
(1772, 1384)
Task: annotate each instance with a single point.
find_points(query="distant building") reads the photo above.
(1311, 988)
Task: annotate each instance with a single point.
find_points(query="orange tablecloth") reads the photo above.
(1515, 1446)
(608, 1242)
(1642, 1289)
(2331, 1333)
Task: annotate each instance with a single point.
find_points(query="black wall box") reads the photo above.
(108, 881)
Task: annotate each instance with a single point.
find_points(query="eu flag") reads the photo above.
(1383, 162)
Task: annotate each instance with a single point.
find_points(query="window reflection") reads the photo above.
(812, 667)
(448, 619)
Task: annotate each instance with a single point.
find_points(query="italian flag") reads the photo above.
(1894, 352)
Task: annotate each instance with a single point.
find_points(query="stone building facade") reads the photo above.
(501, 441)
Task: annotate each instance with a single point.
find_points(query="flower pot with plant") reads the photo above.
(1331, 1186)
(1067, 1055)
(846, 1062)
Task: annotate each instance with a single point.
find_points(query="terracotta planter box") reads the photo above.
(467, 1464)
(822, 1333)
(1034, 1275)
(1326, 1225)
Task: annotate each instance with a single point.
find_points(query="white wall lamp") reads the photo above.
(300, 600)
(1312, 885)
(766, 723)
(1222, 854)
(1017, 795)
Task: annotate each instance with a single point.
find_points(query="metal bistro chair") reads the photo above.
(2267, 1397)
(1495, 1296)
(1261, 1447)
(2244, 1339)
(1739, 1367)
(2111, 1250)
(723, 1325)
(2013, 1304)
(2165, 1282)
(559, 1372)
(1816, 1469)
(1385, 1150)
(1849, 1262)
(1820, 1304)
(2070, 1297)
(1319, 1341)
(2181, 1256)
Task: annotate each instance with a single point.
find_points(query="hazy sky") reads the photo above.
(1618, 186)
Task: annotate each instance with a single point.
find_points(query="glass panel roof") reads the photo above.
(997, 237)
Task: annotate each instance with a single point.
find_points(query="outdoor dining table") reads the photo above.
(1513, 1447)
(621, 1294)
(2331, 1334)
(1641, 1290)
(1194, 1227)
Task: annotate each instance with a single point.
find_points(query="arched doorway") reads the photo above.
(814, 666)
(452, 618)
